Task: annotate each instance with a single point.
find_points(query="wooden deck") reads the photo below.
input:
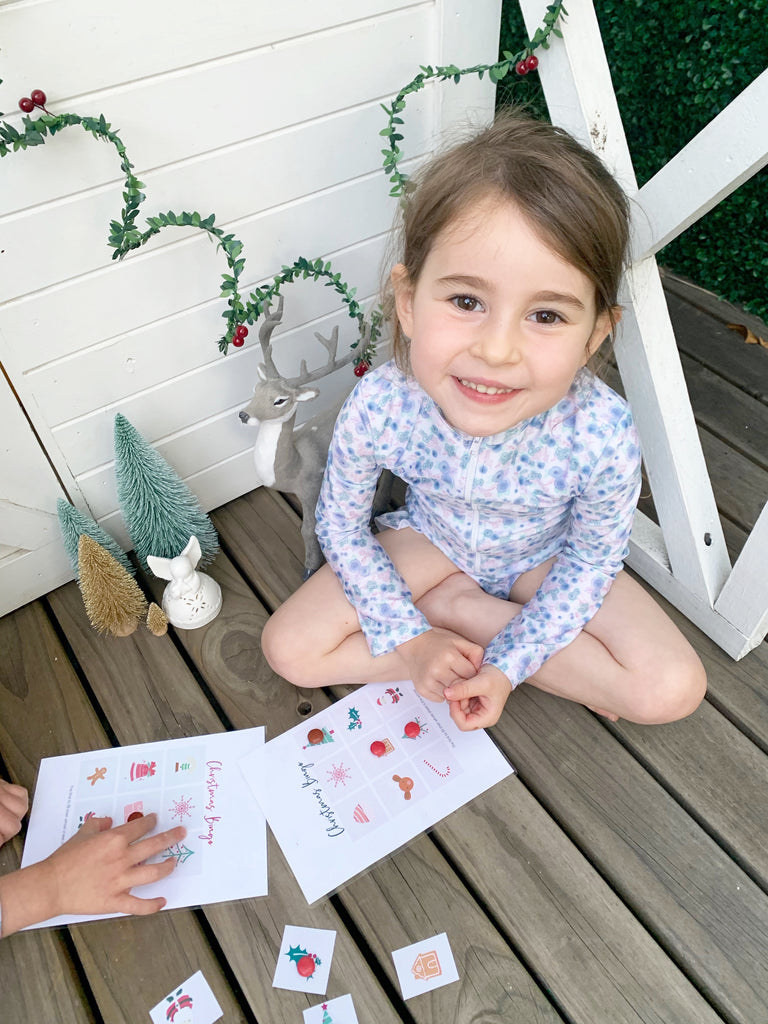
(621, 876)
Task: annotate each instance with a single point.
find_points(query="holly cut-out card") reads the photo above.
(195, 782)
(363, 777)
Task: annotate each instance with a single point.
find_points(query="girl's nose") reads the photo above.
(498, 345)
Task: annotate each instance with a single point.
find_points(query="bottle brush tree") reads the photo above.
(112, 598)
(160, 511)
(73, 524)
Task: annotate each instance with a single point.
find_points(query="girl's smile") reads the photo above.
(499, 323)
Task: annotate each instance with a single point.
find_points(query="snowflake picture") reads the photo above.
(181, 808)
(338, 774)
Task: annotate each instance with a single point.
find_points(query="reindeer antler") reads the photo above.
(331, 364)
(270, 322)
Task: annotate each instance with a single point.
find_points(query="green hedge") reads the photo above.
(675, 65)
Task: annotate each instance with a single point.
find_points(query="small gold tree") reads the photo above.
(157, 620)
(112, 598)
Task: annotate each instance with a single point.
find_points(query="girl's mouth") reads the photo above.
(485, 389)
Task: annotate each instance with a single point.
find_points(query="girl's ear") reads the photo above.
(604, 324)
(403, 290)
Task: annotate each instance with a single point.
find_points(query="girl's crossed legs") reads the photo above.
(630, 661)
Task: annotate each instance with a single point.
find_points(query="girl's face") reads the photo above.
(499, 323)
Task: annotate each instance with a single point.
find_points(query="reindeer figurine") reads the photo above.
(287, 457)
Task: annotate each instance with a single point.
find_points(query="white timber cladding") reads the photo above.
(267, 115)
(684, 557)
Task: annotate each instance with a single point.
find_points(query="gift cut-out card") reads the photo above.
(363, 777)
(195, 782)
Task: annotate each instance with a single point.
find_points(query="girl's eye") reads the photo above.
(547, 316)
(466, 303)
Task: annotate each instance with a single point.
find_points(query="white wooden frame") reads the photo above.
(685, 556)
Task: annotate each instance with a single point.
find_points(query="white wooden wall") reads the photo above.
(267, 115)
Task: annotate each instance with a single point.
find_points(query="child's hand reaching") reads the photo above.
(14, 804)
(437, 659)
(91, 873)
(479, 702)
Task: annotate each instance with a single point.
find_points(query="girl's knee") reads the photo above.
(670, 691)
(281, 649)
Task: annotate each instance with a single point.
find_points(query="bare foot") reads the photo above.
(606, 714)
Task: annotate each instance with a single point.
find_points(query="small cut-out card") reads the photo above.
(334, 1011)
(304, 960)
(425, 965)
(193, 1002)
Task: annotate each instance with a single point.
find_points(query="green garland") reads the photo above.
(125, 236)
(496, 72)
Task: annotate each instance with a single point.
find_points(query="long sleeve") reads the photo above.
(371, 583)
(595, 546)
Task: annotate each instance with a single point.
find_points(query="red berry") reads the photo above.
(361, 368)
(306, 966)
(38, 97)
(26, 104)
(241, 331)
(237, 341)
(531, 64)
(521, 68)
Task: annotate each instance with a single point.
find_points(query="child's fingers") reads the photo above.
(473, 687)
(9, 825)
(145, 874)
(474, 653)
(134, 830)
(475, 714)
(131, 904)
(90, 827)
(153, 845)
(14, 797)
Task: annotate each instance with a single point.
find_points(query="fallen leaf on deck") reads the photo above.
(749, 336)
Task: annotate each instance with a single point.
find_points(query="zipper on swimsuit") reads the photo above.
(474, 455)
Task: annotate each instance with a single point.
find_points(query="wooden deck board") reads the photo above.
(673, 875)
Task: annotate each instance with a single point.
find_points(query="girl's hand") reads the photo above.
(437, 659)
(93, 871)
(479, 702)
(14, 804)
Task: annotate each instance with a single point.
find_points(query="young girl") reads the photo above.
(92, 873)
(523, 469)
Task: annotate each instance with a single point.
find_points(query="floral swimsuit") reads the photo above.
(563, 483)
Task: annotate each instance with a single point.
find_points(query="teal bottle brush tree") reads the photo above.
(160, 511)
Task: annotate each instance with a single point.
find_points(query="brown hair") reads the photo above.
(560, 186)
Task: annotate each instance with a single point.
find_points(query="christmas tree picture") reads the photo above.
(160, 511)
(112, 598)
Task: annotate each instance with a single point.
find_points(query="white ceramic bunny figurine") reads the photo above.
(191, 599)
